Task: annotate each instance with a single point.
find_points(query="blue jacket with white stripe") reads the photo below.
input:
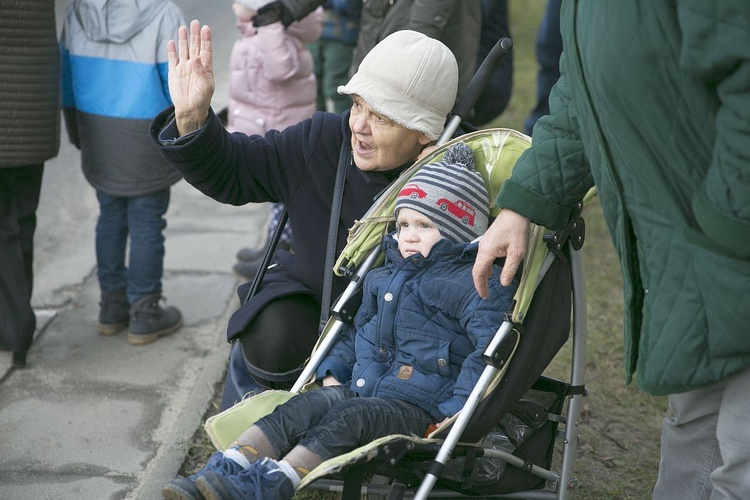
(114, 81)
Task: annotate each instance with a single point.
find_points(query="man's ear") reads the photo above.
(424, 140)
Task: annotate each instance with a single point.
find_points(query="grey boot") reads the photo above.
(113, 312)
(149, 321)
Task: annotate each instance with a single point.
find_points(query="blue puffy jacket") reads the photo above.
(421, 330)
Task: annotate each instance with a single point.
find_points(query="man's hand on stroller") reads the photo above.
(191, 76)
(507, 237)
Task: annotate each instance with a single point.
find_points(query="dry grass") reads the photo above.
(618, 453)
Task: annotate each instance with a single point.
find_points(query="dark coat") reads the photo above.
(29, 60)
(421, 330)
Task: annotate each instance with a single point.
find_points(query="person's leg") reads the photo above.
(271, 437)
(316, 50)
(268, 353)
(110, 242)
(148, 319)
(496, 95)
(249, 260)
(276, 434)
(548, 50)
(146, 264)
(732, 478)
(337, 59)
(689, 449)
(348, 423)
(19, 199)
(357, 421)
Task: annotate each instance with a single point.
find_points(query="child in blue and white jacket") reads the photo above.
(114, 81)
(411, 358)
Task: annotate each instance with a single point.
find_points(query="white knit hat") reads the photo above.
(411, 79)
(451, 193)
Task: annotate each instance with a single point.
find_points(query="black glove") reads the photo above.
(271, 13)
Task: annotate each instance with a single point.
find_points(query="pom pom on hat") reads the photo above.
(451, 193)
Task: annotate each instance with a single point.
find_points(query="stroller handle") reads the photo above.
(477, 85)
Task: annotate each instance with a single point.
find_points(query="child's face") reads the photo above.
(416, 233)
(242, 13)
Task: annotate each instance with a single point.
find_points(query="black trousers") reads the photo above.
(19, 199)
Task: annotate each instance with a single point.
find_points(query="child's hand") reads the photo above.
(330, 380)
(191, 77)
(440, 424)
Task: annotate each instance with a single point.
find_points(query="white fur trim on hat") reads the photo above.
(411, 79)
(451, 193)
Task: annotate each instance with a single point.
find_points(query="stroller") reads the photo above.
(502, 443)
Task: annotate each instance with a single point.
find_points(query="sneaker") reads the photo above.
(114, 312)
(263, 480)
(185, 488)
(149, 321)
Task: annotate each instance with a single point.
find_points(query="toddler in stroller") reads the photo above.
(408, 362)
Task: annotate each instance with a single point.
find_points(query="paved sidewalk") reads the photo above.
(93, 417)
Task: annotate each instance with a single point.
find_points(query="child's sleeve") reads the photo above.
(480, 320)
(340, 359)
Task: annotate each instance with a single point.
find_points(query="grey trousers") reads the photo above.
(705, 447)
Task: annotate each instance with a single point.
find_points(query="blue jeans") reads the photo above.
(548, 49)
(334, 420)
(142, 219)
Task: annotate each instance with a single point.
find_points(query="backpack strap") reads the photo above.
(345, 159)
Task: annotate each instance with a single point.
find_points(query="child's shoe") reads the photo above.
(149, 321)
(263, 480)
(184, 488)
(113, 312)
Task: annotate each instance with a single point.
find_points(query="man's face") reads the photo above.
(378, 143)
(416, 233)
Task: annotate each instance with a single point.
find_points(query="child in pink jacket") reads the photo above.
(271, 86)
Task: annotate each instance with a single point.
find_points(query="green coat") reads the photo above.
(653, 107)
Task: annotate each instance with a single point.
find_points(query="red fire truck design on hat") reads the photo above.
(459, 208)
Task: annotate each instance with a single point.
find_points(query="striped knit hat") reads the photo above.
(451, 193)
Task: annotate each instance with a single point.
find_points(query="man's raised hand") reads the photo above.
(191, 76)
